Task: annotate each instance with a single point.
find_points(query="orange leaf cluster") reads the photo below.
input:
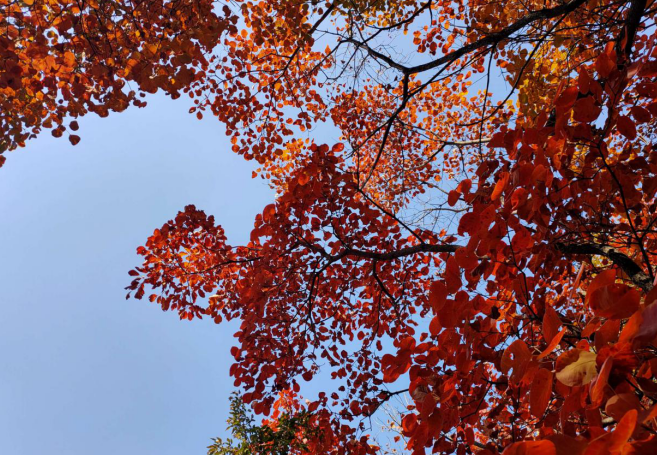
(61, 59)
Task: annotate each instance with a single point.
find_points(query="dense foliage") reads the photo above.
(480, 234)
(276, 436)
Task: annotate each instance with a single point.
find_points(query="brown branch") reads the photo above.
(488, 40)
(408, 251)
(634, 16)
(627, 265)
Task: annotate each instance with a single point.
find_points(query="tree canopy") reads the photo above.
(479, 234)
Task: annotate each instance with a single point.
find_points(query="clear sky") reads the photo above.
(83, 370)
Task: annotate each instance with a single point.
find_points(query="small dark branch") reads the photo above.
(387, 397)
(496, 37)
(408, 251)
(627, 265)
(392, 394)
(487, 41)
(376, 54)
(632, 22)
(388, 128)
(631, 268)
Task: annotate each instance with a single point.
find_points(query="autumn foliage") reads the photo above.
(480, 235)
(60, 59)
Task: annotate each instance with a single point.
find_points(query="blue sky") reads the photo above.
(83, 370)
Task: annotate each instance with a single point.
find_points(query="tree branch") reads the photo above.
(408, 251)
(488, 40)
(627, 265)
(634, 16)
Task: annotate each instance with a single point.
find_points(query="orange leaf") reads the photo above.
(69, 59)
(624, 430)
(600, 382)
(632, 327)
(465, 186)
(409, 424)
(499, 186)
(553, 344)
(593, 325)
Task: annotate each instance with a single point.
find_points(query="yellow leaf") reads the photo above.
(576, 367)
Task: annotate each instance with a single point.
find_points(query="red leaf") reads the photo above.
(531, 448)
(516, 357)
(648, 327)
(604, 278)
(453, 198)
(452, 275)
(640, 114)
(631, 328)
(541, 390)
(409, 424)
(585, 110)
(648, 70)
(567, 98)
(434, 326)
(583, 80)
(337, 148)
(626, 127)
(600, 382)
(269, 212)
(465, 186)
(551, 323)
(615, 301)
(437, 295)
(604, 65)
